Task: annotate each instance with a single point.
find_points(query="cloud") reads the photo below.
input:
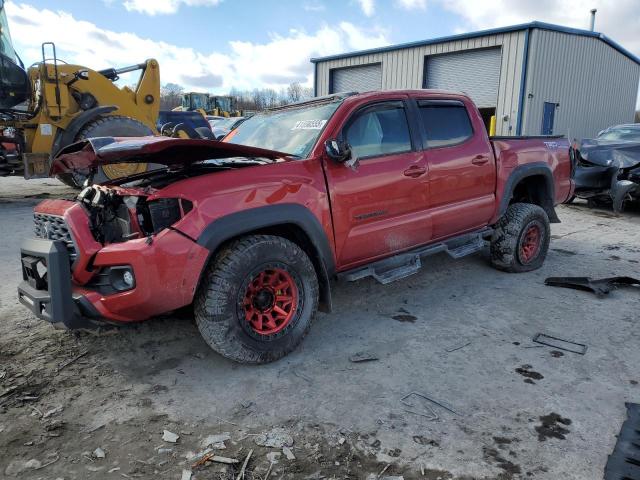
(412, 4)
(368, 7)
(314, 6)
(618, 20)
(165, 7)
(244, 65)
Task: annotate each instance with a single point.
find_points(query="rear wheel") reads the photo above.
(258, 299)
(109, 126)
(521, 239)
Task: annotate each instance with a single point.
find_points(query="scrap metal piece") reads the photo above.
(600, 287)
(560, 344)
(430, 414)
(624, 462)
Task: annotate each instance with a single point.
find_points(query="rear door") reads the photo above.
(379, 206)
(462, 170)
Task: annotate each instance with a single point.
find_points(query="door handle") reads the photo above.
(414, 171)
(480, 160)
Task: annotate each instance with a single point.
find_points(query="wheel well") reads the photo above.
(535, 189)
(297, 235)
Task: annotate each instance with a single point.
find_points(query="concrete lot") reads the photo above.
(459, 332)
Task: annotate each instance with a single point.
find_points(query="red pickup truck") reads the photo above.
(253, 229)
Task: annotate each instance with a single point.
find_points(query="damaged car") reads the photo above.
(253, 231)
(607, 168)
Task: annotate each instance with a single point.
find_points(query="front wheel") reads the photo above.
(521, 239)
(258, 299)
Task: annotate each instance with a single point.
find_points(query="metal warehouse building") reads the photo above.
(536, 78)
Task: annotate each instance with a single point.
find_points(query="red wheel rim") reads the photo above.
(270, 301)
(530, 243)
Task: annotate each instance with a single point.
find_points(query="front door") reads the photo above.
(462, 170)
(379, 205)
(548, 116)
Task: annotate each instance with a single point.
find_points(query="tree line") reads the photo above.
(257, 99)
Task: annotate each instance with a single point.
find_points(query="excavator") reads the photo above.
(52, 104)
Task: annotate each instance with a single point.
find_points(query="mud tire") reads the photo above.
(510, 233)
(218, 306)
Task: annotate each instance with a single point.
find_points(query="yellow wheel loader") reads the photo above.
(53, 104)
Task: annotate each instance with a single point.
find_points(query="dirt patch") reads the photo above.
(493, 456)
(552, 426)
(420, 440)
(562, 251)
(531, 375)
(405, 317)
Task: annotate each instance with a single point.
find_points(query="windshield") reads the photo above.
(194, 101)
(293, 130)
(6, 46)
(621, 134)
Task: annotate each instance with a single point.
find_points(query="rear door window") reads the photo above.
(444, 123)
(380, 129)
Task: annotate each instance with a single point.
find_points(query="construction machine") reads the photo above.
(221, 106)
(52, 104)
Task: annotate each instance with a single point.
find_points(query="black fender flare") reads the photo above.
(69, 134)
(522, 172)
(254, 219)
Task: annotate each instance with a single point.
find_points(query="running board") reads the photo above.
(406, 264)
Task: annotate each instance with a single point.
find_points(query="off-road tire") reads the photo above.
(108, 126)
(219, 310)
(509, 234)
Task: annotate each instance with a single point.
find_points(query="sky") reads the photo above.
(214, 45)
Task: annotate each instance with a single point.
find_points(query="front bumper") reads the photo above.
(46, 285)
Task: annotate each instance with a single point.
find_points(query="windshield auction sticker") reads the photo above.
(309, 125)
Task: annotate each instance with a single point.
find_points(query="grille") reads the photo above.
(53, 227)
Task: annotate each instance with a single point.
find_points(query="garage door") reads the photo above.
(474, 72)
(356, 79)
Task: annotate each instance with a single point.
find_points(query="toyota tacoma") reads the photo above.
(253, 230)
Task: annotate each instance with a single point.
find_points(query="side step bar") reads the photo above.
(406, 264)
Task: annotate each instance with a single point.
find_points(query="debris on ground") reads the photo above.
(624, 462)
(171, 437)
(273, 457)
(52, 412)
(216, 441)
(17, 467)
(560, 344)
(600, 287)
(275, 438)
(457, 347)
(360, 357)
(244, 465)
(99, 453)
(428, 413)
(186, 475)
(288, 453)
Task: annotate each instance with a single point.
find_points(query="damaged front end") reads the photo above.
(608, 172)
(117, 251)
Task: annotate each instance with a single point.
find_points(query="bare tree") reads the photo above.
(294, 91)
(170, 96)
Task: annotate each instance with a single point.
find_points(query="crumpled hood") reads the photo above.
(86, 155)
(608, 153)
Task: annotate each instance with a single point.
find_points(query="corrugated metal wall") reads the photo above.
(403, 68)
(595, 85)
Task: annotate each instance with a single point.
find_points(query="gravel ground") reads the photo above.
(458, 332)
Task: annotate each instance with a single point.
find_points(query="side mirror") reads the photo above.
(337, 150)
